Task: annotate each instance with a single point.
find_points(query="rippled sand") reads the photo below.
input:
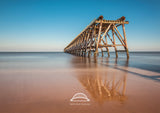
(111, 88)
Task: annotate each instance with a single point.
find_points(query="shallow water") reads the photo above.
(45, 82)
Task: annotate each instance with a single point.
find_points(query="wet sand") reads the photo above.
(45, 86)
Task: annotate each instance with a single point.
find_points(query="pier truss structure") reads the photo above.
(100, 34)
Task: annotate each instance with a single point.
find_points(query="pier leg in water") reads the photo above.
(114, 42)
(125, 40)
(102, 51)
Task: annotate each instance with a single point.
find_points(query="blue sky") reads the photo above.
(49, 25)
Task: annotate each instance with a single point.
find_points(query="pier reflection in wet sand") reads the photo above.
(104, 86)
(45, 83)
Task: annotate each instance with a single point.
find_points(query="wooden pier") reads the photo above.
(100, 34)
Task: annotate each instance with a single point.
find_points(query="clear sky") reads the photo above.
(49, 25)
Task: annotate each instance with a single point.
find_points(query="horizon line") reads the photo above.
(63, 51)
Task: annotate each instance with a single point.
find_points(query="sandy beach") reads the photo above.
(36, 84)
(79, 56)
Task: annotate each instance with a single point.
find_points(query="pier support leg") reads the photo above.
(89, 52)
(95, 54)
(125, 40)
(98, 38)
(106, 44)
(102, 52)
(114, 42)
(108, 51)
